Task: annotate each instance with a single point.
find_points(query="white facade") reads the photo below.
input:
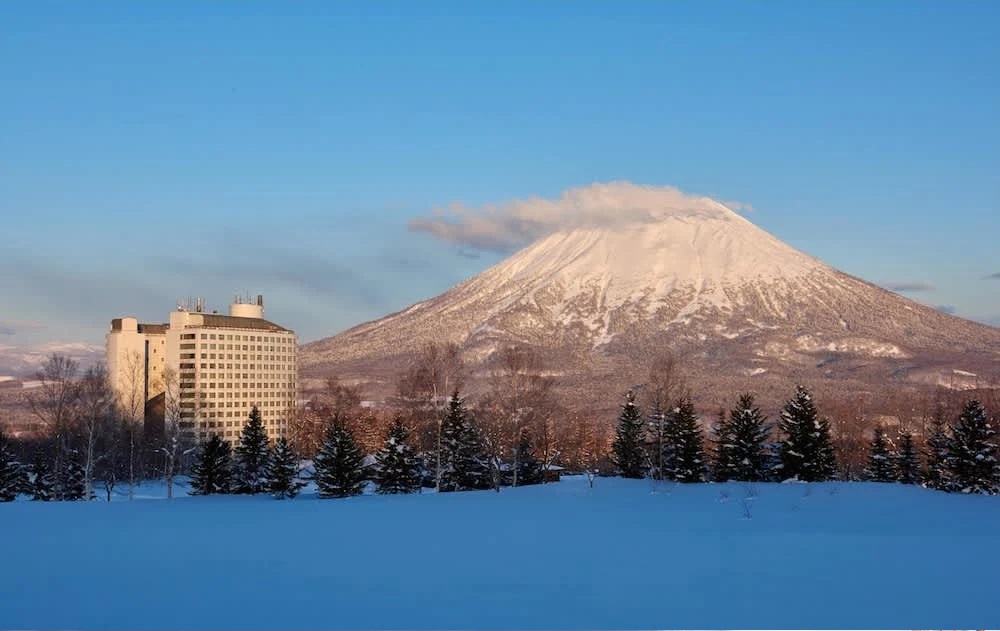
(214, 368)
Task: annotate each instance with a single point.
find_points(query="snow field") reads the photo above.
(625, 554)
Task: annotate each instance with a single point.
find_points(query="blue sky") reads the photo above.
(155, 151)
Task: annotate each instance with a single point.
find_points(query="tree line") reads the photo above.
(94, 440)
(517, 430)
(669, 445)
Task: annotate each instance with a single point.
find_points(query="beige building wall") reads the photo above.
(135, 362)
(221, 367)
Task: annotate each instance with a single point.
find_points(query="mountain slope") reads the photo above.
(706, 283)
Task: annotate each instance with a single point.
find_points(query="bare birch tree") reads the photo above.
(131, 399)
(97, 422)
(175, 441)
(423, 389)
(54, 402)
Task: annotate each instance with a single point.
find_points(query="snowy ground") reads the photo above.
(623, 555)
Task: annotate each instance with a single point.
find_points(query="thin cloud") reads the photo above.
(510, 225)
(13, 327)
(993, 276)
(950, 310)
(909, 287)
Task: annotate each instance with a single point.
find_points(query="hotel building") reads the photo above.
(207, 369)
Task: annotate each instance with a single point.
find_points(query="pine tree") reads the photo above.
(397, 469)
(627, 452)
(938, 446)
(972, 457)
(251, 456)
(907, 461)
(212, 473)
(723, 438)
(338, 466)
(806, 451)
(12, 476)
(748, 430)
(880, 459)
(73, 484)
(463, 464)
(529, 470)
(282, 474)
(41, 480)
(688, 451)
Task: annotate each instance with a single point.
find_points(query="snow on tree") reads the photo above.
(688, 451)
(463, 463)
(880, 459)
(281, 478)
(722, 437)
(396, 467)
(938, 445)
(746, 455)
(72, 484)
(806, 451)
(41, 485)
(212, 472)
(529, 469)
(251, 456)
(12, 475)
(627, 452)
(972, 454)
(907, 460)
(338, 469)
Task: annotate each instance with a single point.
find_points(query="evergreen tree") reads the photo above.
(972, 456)
(723, 438)
(529, 470)
(688, 451)
(338, 466)
(41, 480)
(212, 473)
(907, 461)
(627, 452)
(938, 446)
(396, 466)
(72, 485)
(880, 459)
(463, 464)
(747, 455)
(251, 456)
(12, 476)
(807, 450)
(282, 474)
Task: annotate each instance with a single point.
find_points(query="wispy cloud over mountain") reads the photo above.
(909, 287)
(507, 226)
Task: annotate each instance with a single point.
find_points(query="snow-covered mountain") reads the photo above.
(24, 362)
(705, 283)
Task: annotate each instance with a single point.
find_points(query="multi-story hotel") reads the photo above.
(207, 369)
